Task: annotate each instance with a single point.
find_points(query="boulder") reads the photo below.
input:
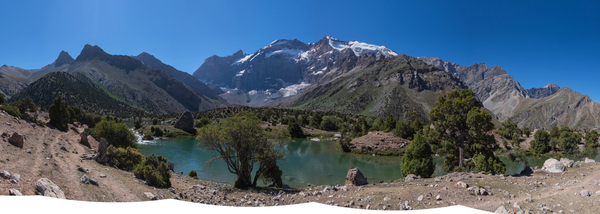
(5, 174)
(501, 210)
(567, 162)
(186, 123)
(553, 165)
(150, 196)
(15, 178)
(355, 177)
(14, 192)
(85, 179)
(587, 160)
(47, 188)
(84, 139)
(585, 193)
(410, 177)
(16, 140)
(101, 155)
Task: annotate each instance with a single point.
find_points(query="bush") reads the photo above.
(2, 98)
(12, 110)
(490, 164)
(137, 124)
(202, 122)
(121, 158)
(158, 132)
(417, 158)
(329, 123)
(154, 121)
(295, 130)
(193, 174)
(591, 139)
(155, 171)
(117, 134)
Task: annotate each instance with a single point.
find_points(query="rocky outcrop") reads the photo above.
(46, 187)
(16, 140)
(538, 93)
(568, 163)
(553, 165)
(101, 155)
(186, 123)
(355, 177)
(84, 139)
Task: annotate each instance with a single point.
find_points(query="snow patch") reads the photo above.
(242, 60)
(292, 53)
(322, 71)
(239, 74)
(253, 92)
(292, 90)
(359, 47)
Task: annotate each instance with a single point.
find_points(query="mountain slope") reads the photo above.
(140, 86)
(538, 93)
(394, 85)
(184, 77)
(564, 108)
(76, 89)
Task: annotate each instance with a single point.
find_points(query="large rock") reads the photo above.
(5, 174)
(47, 188)
(16, 140)
(186, 123)
(101, 156)
(587, 160)
(567, 162)
(553, 165)
(84, 139)
(355, 177)
(14, 192)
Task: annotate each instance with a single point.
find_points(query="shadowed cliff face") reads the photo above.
(538, 93)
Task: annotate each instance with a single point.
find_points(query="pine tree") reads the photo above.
(417, 158)
(59, 114)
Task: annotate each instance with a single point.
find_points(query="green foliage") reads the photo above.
(154, 122)
(158, 132)
(330, 123)
(123, 158)
(540, 143)
(25, 105)
(241, 143)
(591, 139)
(116, 134)
(389, 124)
(273, 176)
(12, 110)
(408, 130)
(461, 124)
(193, 174)
(417, 158)
(554, 133)
(526, 132)
(90, 119)
(344, 144)
(155, 171)
(295, 130)
(568, 143)
(59, 114)
(137, 124)
(202, 122)
(554, 144)
(489, 164)
(1, 98)
(316, 119)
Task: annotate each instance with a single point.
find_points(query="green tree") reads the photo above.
(526, 132)
(389, 124)
(417, 158)
(193, 174)
(591, 139)
(202, 122)
(315, 120)
(540, 143)
(519, 155)
(154, 122)
(458, 119)
(568, 143)
(155, 171)
(2, 98)
(59, 114)
(329, 123)
(241, 143)
(295, 130)
(554, 133)
(137, 124)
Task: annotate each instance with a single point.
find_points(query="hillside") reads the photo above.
(76, 89)
(395, 85)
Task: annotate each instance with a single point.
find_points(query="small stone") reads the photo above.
(420, 198)
(5, 175)
(85, 179)
(93, 181)
(102, 175)
(461, 184)
(150, 196)
(15, 178)
(585, 193)
(14, 192)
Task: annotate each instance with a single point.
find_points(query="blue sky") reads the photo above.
(537, 42)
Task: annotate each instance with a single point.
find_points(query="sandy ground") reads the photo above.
(540, 192)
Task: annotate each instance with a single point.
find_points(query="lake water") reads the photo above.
(307, 162)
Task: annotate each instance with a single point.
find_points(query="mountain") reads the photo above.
(285, 67)
(538, 93)
(394, 85)
(123, 78)
(498, 91)
(184, 77)
(563, 108)
(76, 89)
(14, 79)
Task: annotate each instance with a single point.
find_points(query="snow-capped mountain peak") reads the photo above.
(359, 47)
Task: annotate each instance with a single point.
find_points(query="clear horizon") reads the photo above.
(554, 42)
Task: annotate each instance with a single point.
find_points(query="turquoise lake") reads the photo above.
(307, 162)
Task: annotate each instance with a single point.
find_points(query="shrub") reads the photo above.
(137, 124)
(121, 158)
(202, 122)
(158, 132)
(12, 110)
(117, 134)
(193, 174)
(154, 121)
(417, 158)
(155, 171)
(295, 130)
(591, 139)
(59, 114)
(329, 123)
(1, 98)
